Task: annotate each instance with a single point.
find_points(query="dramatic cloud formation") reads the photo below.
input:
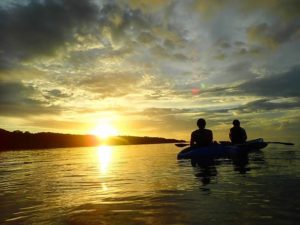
(150, 67)
(19, 100)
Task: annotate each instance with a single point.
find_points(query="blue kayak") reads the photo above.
(221, 150)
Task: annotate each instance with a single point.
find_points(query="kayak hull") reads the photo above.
(221, 150)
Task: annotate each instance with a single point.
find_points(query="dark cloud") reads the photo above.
(285, 85)
(134, 29)
(222, 44)
(272, 86)
(235, 68)
(17, 99)
(236, 71)
(12, 92)
(41, 27)
(250, 51)
(127, 25)
(275, 34)
(56, 93)
(287, 9)
(239, 43)
(259, 105)
(217, 91)
(267, 104)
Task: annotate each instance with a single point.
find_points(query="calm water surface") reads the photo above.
(147, 185)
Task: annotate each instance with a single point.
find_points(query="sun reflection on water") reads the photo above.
(104, 156)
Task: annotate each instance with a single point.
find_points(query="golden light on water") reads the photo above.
(105, 158)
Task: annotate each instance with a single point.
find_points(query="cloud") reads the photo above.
(111, 84)
(56, 93)
(287, 10)
(260, 105)
(238, 71)
(76, 40)
(273, 35)
(87, 59)
(274, 85)
(209, 8)
(271, 104)
(147, 6)
(280, 85)
(17, 99)
(55, 124)
(41, 27)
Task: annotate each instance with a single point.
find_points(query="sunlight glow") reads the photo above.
(104, 130)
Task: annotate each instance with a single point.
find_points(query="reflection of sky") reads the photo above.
(148, 185)
(151, 67)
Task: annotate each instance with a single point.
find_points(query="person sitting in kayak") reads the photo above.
(237, 134)
(202, 136)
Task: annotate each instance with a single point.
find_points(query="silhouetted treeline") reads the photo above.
(26, 140)
(133, 140)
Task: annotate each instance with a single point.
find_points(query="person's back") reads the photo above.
(202, 136)
(237, 134)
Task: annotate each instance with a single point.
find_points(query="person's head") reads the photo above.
(236, 123)
(201, 123)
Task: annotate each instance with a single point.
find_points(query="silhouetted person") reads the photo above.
(237, 134)
(202, 136)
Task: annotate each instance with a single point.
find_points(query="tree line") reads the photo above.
(26, 140)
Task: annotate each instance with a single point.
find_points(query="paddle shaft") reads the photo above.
(269, 142)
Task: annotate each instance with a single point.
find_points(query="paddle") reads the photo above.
(277, 142)
(181, 144)
(269, 142)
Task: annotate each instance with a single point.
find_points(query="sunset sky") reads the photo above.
(150, 68)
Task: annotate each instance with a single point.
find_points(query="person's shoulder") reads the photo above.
(208, 130)
(195, 132)
(235, 129)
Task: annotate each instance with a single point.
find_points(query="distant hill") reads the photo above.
(26, 140)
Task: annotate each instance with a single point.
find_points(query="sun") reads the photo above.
(104, 131)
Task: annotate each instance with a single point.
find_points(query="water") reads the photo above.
(147, 185)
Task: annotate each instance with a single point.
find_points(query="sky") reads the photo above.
(151, 68)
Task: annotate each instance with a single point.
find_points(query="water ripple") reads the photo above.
(146, 185)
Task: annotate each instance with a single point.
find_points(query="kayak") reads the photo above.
(224, 149)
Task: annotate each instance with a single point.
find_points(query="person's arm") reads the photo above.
(192, 141)
(211, 138)
(245, 135)
(230, 135)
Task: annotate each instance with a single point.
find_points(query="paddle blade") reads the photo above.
(282, 143)
(181, 144)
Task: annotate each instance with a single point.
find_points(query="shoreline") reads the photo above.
(18, 140)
